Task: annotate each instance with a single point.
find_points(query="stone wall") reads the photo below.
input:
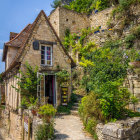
(12, 123)
(63, 19)
(72, 20)
(132, 82)
(54, 19)
(12, 96)
(100, 18)
(11, 53)
(121, 130)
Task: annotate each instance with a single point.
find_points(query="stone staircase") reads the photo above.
(74, 110)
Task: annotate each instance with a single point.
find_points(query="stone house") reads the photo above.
(39, 45)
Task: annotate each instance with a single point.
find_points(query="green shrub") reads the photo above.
(89, 107)
(63, 77)
(63, 109)
(44, 132)
(126, 3)
(129, 40)
(132, 114)
(47, 112)
(28, 81)
(91, 127)
(66, 109)
(24, 103)
(90, 112)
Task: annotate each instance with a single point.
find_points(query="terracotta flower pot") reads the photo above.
(34, 112)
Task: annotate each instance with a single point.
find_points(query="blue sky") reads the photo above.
(16, 14)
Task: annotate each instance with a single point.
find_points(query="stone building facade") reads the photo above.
(50, 56)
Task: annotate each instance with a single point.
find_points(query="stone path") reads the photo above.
(69, 127)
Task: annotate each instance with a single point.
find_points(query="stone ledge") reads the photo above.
(121, 130)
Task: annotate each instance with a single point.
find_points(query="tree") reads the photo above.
(57, 3)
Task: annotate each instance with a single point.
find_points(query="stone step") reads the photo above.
(75, 107)
(74, 112)
(76, 104)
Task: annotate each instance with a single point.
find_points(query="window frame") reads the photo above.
(45, 55)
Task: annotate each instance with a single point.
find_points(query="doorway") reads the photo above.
(50, 89)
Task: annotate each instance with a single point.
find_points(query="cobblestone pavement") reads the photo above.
(69, 127)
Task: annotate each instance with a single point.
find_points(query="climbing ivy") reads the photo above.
(27, 81)
(63, 77)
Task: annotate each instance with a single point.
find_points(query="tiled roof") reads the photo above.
(18, 40)
(27, 32)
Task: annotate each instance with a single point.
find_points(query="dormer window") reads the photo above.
(46, 55)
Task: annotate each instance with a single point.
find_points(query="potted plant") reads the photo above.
(47, 112)
(24, 104)
(32, 105)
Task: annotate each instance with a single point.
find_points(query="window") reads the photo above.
(46, 55)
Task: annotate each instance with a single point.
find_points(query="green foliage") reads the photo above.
(132, 114)
(89, 111)
(45, 132)
(66, 109)
(47, 110)
(56, 3)
(87, 6)
(89, 107)
(27, 81)
(66, 41)
(135, 34)
(129, 40)
(90, 127)
(105, 78)
(77, 41)
(63, 76)
(30, 103)
(126, 3)
(24, 103)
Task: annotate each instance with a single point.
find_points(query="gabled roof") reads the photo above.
(16, 41)
(19, 38)
(28, 33)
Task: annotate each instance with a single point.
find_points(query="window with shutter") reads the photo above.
(46, 55)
